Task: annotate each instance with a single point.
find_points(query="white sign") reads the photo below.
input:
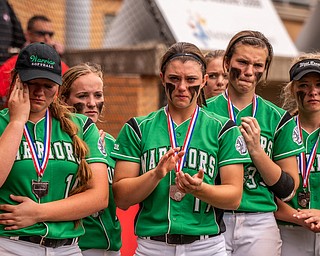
(210, 24)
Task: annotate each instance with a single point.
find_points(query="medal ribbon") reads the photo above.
(305, 164)
(231, 109)
(40, 166)
(186, 143)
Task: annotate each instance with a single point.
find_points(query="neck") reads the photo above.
(310, 121)
(35, 117)
(240, 100)
(179, 115)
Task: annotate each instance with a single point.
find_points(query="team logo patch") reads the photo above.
(296, 136)
(241, 146)
(116, 146)
(101, 147)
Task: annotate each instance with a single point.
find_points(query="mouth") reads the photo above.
(91, 113)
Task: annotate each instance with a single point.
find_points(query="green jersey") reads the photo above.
(279, 137)
(314, 177)
(60, 172)
(215, 142)
(102, 230)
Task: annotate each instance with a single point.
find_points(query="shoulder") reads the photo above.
(145, 120)
(212, 121)
(270, 107)
(214, 116)
(81, 121)
(109, 138)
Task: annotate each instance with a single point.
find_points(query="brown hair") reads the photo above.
(214, 55)
(289, 102)
(252, 38)
(185, 51)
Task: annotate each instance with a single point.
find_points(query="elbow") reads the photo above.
(234, 204)
(284, 188)
(122, 204)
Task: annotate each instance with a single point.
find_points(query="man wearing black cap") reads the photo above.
(39, 29)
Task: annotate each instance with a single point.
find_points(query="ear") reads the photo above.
(162, 79)
(204, 81)
(227, 65)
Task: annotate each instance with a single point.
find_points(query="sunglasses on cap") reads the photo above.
(43, 33)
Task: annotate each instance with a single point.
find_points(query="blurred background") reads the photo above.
(128, 37)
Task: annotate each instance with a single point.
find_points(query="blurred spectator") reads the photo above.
(39, 29)
(218, 77)
(11, 32)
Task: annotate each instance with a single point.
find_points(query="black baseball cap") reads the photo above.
(304, 67)
(39, 60)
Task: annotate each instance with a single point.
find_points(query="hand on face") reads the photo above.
(19, 104)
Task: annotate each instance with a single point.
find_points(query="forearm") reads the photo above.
(221, 196)
(9, 145)
(74, 207)
(285, 212)
(132, 190)
(269, 171)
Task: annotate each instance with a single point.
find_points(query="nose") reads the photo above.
(91, 102)
(220, 80)
(314, 90)
(38, 90)
(249, 70)
(182, 86)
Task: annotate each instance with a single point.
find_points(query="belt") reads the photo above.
(47, 242)
(178, 239)
(234, 212)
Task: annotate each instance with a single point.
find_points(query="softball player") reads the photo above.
(181, 163)
(272, 140)
(49, 177)
(302, 93)
(82, 88)
(217, 77)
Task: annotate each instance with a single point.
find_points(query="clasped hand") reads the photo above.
(18, 216)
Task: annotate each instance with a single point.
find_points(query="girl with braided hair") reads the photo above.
(53, 167)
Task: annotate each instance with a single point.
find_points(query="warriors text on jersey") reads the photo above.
(102, 230)
(216, 142)
(279, 137)
(60, 172)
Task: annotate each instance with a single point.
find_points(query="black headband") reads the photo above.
(266, 43)
(184, 55)
(304, 67)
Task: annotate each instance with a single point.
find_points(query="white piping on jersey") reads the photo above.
(130, 157)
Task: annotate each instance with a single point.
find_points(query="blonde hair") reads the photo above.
(289, 102)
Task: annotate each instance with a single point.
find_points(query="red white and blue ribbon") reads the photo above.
(305, 164)
(231, 109)
(40, 165)
(172, 135)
